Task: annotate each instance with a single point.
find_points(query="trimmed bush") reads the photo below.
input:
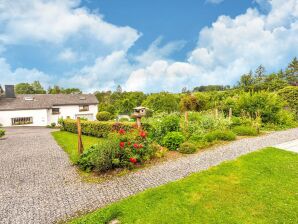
(2, 133)
(187, 148)
(103, 116)
(220, 135)
(99, 157)
(245, 131)
(172, 140)
(158, 150)
(96, 128)
(123, 119)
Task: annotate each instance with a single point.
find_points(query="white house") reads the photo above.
(44, 109)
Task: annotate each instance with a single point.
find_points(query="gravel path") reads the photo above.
(38, 184)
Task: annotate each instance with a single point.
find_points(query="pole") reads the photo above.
(80, 143)
(230, 114)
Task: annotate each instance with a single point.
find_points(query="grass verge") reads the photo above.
(260, 187)
(69, 143)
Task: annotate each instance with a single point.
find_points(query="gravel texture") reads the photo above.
(39, 185)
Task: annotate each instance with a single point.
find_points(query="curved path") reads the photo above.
(39, 185)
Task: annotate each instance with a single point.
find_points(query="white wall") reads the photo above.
(45, 117)
(39, 117)
(72, 112)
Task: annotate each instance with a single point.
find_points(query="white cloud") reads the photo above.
(104, 74)
(158, 52)
(57, 21)
(68, 55)
(227, 49)
(10, 76)
(224, 51)
(214, 1)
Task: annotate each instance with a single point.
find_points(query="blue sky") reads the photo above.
(143, 45)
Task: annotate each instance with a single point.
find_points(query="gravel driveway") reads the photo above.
(39, 185)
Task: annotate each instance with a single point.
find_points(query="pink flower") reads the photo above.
(135, 145)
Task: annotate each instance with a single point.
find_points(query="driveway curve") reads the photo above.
(39, 185)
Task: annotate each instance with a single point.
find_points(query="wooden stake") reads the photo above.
(186, 119)
(230, 114)
(216, 113)
(80, 143)
(139, 124)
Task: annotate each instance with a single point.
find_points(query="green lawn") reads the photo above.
(69, 142)
(260, 187)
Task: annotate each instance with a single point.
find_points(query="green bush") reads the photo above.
(187, 148)
(2, 133)
(245, 131)
(161, 124)
(96, 128)
(290, 94)
(158, 150)
(172, 140)
(103, 116)
(220, 135)
(123, 119)
(99, 157)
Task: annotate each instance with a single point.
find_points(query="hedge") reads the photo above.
(97, 128)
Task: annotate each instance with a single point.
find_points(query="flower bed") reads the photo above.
(124, 149)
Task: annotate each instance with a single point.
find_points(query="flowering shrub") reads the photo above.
(124, 148)
(133, 147)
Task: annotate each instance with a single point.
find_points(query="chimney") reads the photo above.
(9, 91)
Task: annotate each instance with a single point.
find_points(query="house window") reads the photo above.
(21, 120)
(55, 111)
(84, 108)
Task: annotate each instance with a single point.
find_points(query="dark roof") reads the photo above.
(45, 101)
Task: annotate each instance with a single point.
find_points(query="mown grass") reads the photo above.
(69, 143)
(260, 187)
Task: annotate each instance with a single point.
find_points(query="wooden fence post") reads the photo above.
(230, 114)
(216, 113)
(80, 143)
(186, 119)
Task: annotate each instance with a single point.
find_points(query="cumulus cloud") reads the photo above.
(227, 49)
(10, 76)
(68, 55)
(224, 51)
(57, 21)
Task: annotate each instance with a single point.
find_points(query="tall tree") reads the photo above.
(119, 89)
(38, 88)
(24, 88)
(292, 72)
(247, 81)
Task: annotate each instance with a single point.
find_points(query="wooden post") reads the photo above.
(216, 113)
(139, 124)
(80, 143)
(186, 119)
(230, 114)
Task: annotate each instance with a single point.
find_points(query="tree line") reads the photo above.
(200, 98)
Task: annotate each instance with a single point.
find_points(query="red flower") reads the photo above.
(122, 144)
(121, 131)
(140, 146)
(143, 134)
(135, 145)
(133, 160)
